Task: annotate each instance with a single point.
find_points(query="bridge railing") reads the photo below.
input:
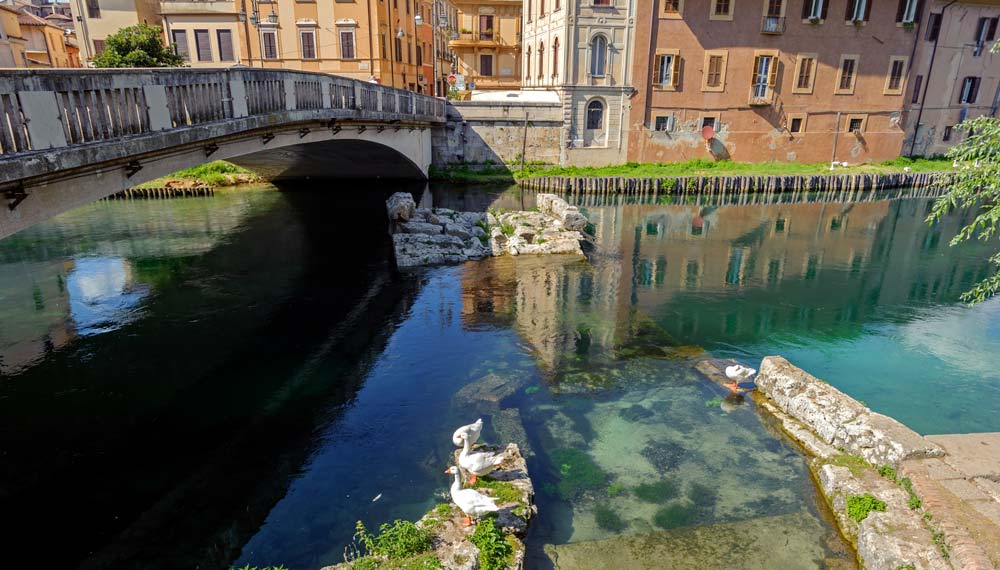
(46, 109)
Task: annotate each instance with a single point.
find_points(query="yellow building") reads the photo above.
(45, 44)
(11, 41)
(488, 43)
(205, 33)
(98, 19)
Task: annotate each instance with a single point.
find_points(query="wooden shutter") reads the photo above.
(868, 9)
(675, 73)
(901, 10)
(225, 38)
(755, 71)
(270, 45)
(203, 45)
(992, 30)
(806, 9)
(974, 92)
(849, 11)
(180, 39)
(657, 64)
(826, 8)
(772, 76)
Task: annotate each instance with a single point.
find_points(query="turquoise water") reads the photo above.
(234, 380)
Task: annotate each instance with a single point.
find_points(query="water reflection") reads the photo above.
(103, 294)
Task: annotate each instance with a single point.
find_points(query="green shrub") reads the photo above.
(494, 550)
(915, 502)
(248, 567)
(507, 229)
(888, 472)
(858, 506)
(658, 492)
(400, 539)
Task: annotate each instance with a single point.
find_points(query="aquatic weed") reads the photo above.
(577, 472)
(607, 518)
(703, 496)
(657, 492)
(674, 515)
(615, 489)
(713, 403)
(531, 390)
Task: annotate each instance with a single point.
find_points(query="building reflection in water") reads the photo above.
(733, 272)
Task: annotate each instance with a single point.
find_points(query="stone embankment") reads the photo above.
(734, 184)
(861, 461)
(435, 236)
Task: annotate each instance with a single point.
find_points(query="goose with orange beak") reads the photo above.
(473, 503)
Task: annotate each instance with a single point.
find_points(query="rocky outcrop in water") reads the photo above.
(839, 420)
(436, 236)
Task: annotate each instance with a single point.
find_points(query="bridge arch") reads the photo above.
(71, 137)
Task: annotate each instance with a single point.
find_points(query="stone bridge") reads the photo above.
(69, 137)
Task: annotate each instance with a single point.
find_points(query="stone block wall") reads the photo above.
(489, 132)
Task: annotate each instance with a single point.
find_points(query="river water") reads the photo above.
(196, 383)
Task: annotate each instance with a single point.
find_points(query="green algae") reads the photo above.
(657, 492)
(578, 473)
(675, 515)
(608, 519)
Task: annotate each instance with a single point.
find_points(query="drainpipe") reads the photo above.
(371, 46)
(930, 68)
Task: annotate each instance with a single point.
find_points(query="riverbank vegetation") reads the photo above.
(217, 174)
(499, 173)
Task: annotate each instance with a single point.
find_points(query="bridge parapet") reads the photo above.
(42, 110)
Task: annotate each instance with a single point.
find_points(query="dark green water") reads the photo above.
(204, 382)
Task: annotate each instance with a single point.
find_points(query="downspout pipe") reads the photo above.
(930, 69)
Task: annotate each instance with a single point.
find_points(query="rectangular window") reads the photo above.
(420, 56)
(708, 122)
(946, 136)
(856, 123)
(907, 11)
(665, 72)
(970, 91)
(307, 42)
(94, 11)
(225, 39)
(486, 65)
(714, 78)
(672, 6)
(98, 47)
(858, 10)
(805, 73)
(486, 27)
(347, 44)
(664, 123)
(721, 10)
(179, 39)
(985, 32)
(774, 8)
(399, 49)
(814, 10)
(894, 78)
(763, 79)
(203, 45)
(918, 82)
(933, 27)
(270, 44)
(847, 74)
(795, 126)
(383, 51)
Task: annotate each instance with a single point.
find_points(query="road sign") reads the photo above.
(452, 79)
(707, 132)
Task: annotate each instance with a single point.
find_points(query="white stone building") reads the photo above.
(583, 50)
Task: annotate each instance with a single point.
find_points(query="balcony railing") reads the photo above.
(761, 94)
(772, 25)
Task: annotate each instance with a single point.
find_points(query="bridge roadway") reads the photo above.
(69, 137)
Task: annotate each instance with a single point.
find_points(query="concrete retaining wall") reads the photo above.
(490, 132)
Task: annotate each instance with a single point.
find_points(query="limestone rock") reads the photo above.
(414, 227)
(458, 230)
(413, 250)
(838, 419)
(400, 207)
(558, 208)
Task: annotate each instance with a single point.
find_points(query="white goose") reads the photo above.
(479, 463)
(738, 373)
(473, 503)
(472, 432)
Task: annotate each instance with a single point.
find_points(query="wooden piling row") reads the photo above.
(158, 193)
(731, 184)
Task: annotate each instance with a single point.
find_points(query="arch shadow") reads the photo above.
(330, 159)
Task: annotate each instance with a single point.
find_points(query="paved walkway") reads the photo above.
(962, 491)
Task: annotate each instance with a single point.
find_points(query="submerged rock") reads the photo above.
(490, 390)
(664, 455)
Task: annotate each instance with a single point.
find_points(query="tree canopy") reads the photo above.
(976, 184)
(140, 45)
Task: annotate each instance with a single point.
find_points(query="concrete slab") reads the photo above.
(973, 454)
(965, 490)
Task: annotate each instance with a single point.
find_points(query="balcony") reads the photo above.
(761, 95)
(772, 25)
(488, 39)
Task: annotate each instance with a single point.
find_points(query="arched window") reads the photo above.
(541, 59)
(595, 115)
(598, 56)
(555, 58)
(527, 65)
